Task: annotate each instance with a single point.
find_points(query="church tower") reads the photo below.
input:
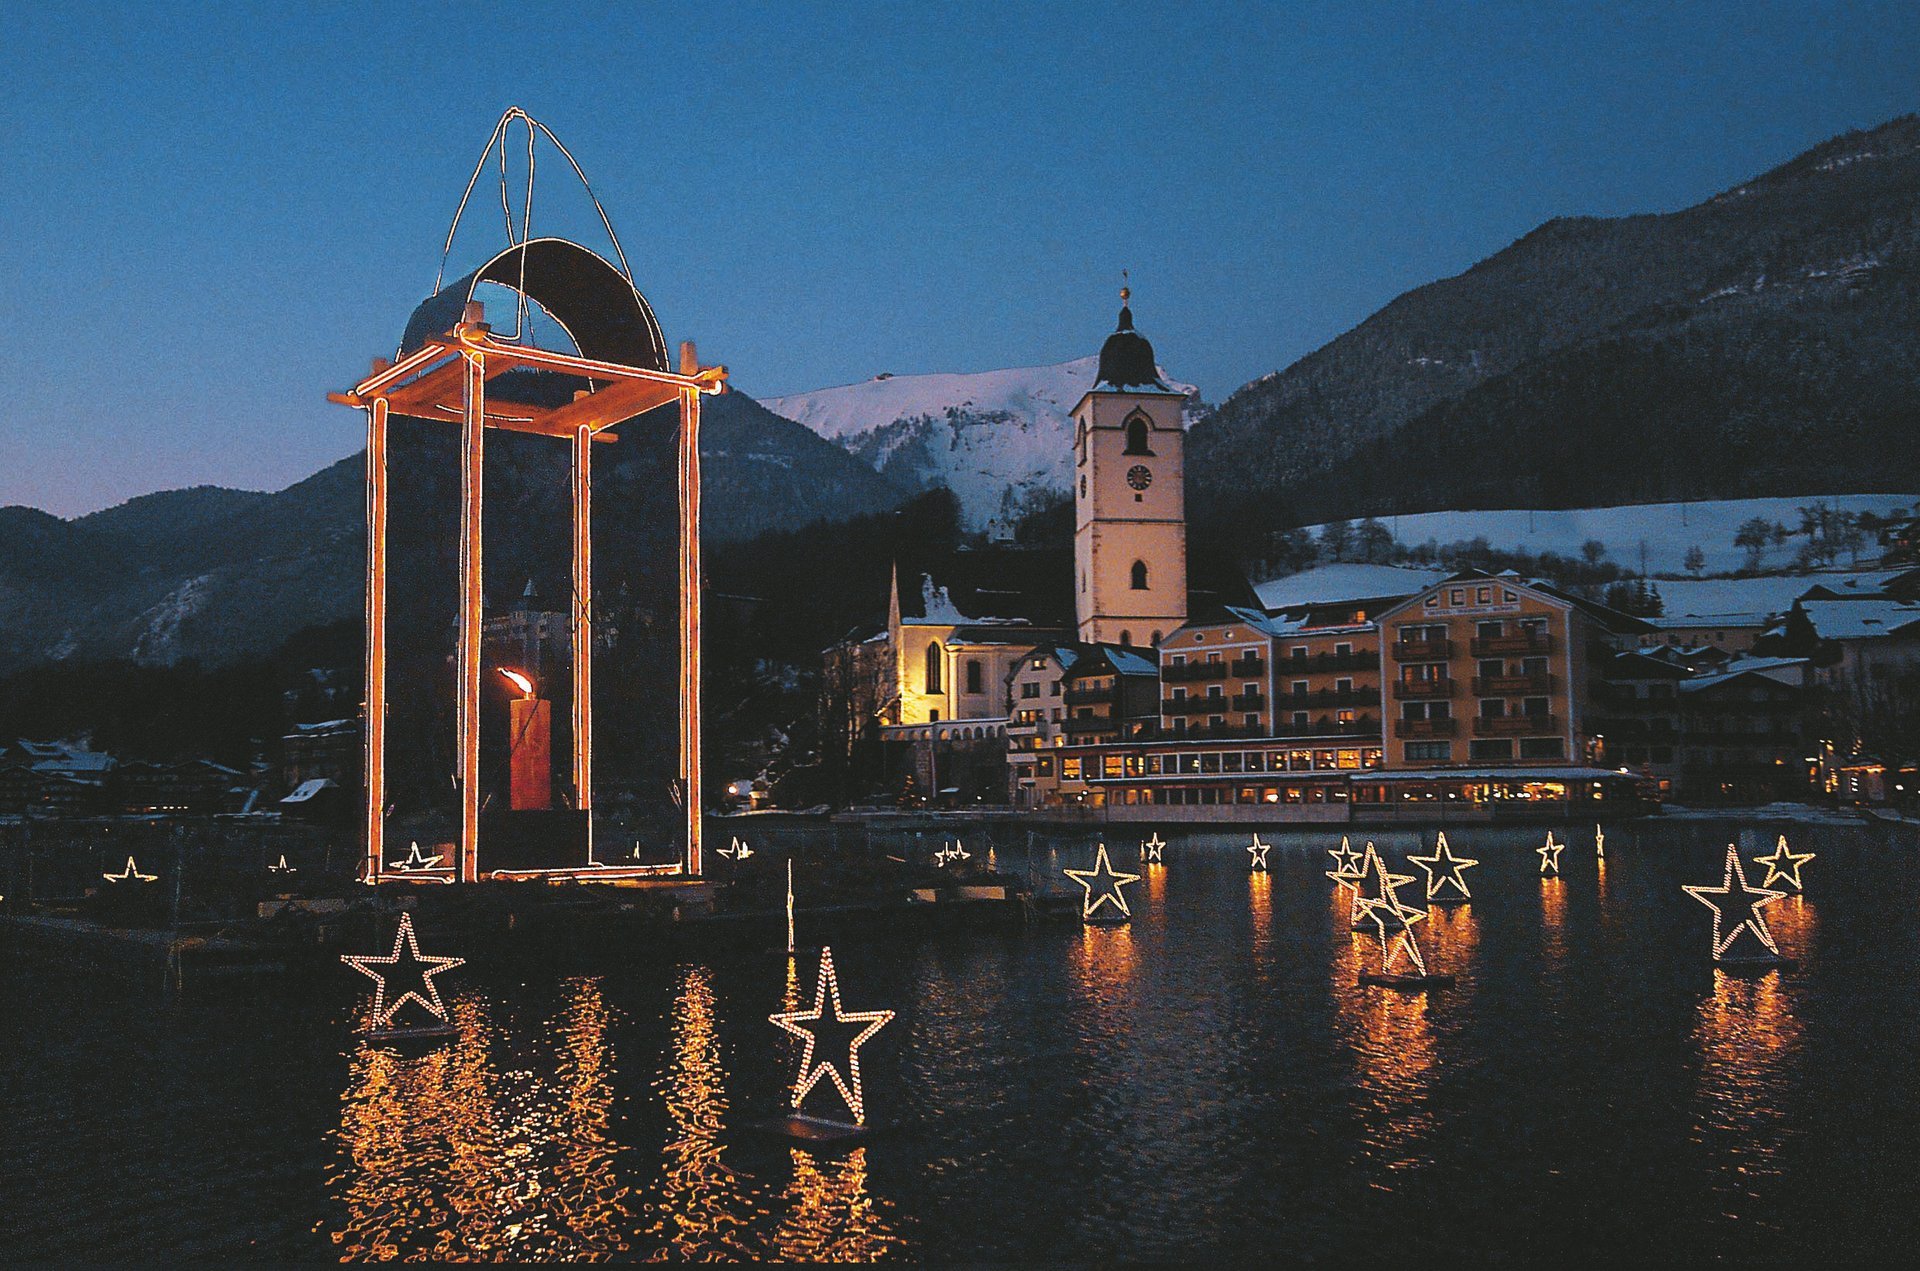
(1129, 498)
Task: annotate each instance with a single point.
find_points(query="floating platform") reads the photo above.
(816, 1132)
(1406, 983)
(1754, 966)
(417, 1033)
(1103, 920)
(1449, 900)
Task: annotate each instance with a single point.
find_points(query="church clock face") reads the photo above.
(1139, 477)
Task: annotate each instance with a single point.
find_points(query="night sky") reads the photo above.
(213, 219)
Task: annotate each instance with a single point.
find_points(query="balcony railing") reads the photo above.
(1358, 660)
(1359, 695)
(1514, 725)
(1513, 685)
(1197, 704)
(1249, 701)
(1415, 690)
(1098, 724)
(1512, 645)
(1247, 668)
(1425, 727)
(1422, 650)
(1178, 672)
(1088, 696)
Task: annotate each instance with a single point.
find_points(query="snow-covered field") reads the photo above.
(1667, 529)
(997, 439)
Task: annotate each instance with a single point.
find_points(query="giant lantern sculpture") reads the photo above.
(453, 368)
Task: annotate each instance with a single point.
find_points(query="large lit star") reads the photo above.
(1103, 879)
(1258, 851)
(1783, 864)
(1346, 874)
(1444, 867)
(1153, 850)
(1549, 853)
(830, 1028)
(1736, 903)
(404, 964)
(416, 859)
(1389, 914)
(1376, 882)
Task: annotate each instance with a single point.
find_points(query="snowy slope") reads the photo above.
(1668, 529)
(1000, 440)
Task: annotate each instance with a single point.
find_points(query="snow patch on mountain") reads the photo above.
(1002, 441)
(158, 640)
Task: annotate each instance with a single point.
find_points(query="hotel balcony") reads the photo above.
(1358, 660)
(1514, 725)
(1423, 650)
(1512, 645)
(1198, 704)
(1180, 672)
(1513, 685)
(1417, 690)
(1413, 728)
(1098, 724)
(1246, 668)
(1088, 696)
(1249, 701)
(1325, 698)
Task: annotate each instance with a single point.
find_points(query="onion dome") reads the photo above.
(1126, 359)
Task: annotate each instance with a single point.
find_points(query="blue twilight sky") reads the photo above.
(213, 215)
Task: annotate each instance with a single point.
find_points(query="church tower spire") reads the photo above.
(1130, 512)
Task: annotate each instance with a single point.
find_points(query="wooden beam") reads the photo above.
(614, 404)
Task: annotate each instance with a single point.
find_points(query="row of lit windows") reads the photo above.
(1228, 762)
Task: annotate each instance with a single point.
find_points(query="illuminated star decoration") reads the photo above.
(1783, 864)
(416, 859)
(1444, 867)
(1733, 899)
(1550, 856)
(1388, 913)
(736, 851)
(1103, 879)
(1152, 851)
(959, 852)
(1346, 873)
(1599, 842)
(1258, 851)
(405, 959)
(833, 1025)
(131, 874)
(1383, 907)
(281, 867)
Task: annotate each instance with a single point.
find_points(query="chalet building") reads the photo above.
(1744, 740)
(1731, 633)
(1637, 717)
(196, 787)
(1036, 723)
(330, 750)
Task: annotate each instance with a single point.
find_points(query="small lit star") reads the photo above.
(1599, 842)
(1783, 864)
(1258, 851)
(281, 866)
(827, 1020)
(1734, 900)
(736, 851)
(405, 959)
(131, 874)
(1444, 867)
(1346, 873)
(1153, 850)
(1106, 881)
(1549, 854)
(416, 859)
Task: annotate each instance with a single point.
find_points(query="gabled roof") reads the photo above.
(1860, 619)
(1114, 659)
(1766, 668)
(1347, 583)
(1635, 664)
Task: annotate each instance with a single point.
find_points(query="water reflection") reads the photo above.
(1391, 1037)
(1748, 1040)
(1260, 904)
(701, 1209)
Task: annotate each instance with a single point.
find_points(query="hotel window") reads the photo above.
(1343, 717)
(1045, 765)
(1210, 762)
(1490, 630)
(1029, 689)
(1501, 749)
(1232, 761)
(1343, 686)
(1070, 767)
(1484, 596)
(1216, 721)
(1179, 659)
(1349, 759)
(1299, 652)
(1112, 766)
(1298, 688)
(1299, 719)
(1252, 721)
(1545, 748)
(1539, 707)
(1493, 708)
(1343, 650)
(1256, 761)
(1427, 751)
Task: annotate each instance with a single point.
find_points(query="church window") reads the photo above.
(1139, 575)
(975, 676)
(933, 669)
(1126, 639)
(1137, 436)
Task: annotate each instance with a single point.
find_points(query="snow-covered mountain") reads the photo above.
(1000, 440)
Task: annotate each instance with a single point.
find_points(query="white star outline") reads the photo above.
(1736, 869)
(1152, 849)
(827, 988)
(416, 859)
(1784, 863)
(131, 874)
(1444, 867)
(383, 1011)
(1102, 867)
(1389, 902)
(1258, 851)
(1549, 855)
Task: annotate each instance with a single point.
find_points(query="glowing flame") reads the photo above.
(519, 681)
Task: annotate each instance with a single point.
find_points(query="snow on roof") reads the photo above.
(1739, 667)
(76, 762)
(1669, 622)
(1330, 584)
(1130, 661)
(1859, 619)
(307, 791)
(1498, 774)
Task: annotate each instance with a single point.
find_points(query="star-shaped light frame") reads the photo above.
(281, 866)
(403, 939)
(1348, 869)
(1384, 907)
(1549, 854)
(1599, 841)
(1109, 882)
(827, 992)
(1734, 883)
(1443, 867)
(131, 874)
(1389, 914)
(1258, 852)
(417, 860)
(1784, 863)
(1153, 849)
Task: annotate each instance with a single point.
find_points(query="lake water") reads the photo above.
(1208, 1079)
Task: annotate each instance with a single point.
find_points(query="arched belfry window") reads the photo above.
(1137, 430)
(1139, 575)
(1080, 442)
(1126, 639)
(933, 668)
